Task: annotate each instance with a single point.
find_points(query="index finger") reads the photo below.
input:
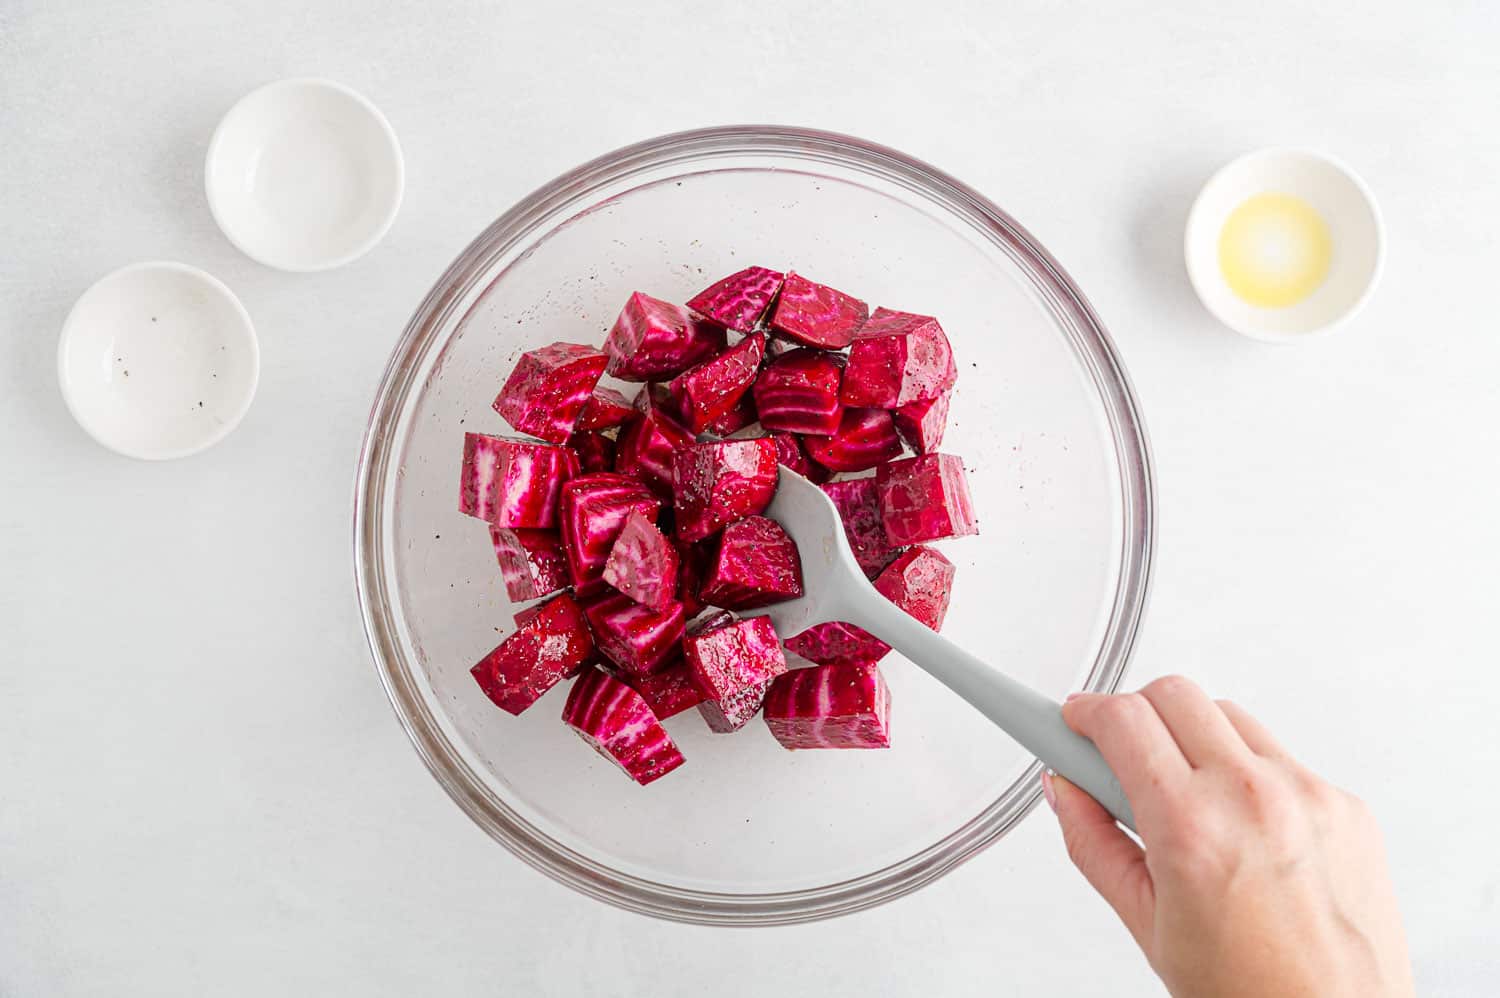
(1134, 740)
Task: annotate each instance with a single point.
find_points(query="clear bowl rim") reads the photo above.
(375, 591)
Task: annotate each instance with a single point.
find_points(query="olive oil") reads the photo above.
(1274, 250)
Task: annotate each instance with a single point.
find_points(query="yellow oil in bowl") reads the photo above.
(1274, 250)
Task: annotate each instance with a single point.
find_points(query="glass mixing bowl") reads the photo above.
(1051, 590)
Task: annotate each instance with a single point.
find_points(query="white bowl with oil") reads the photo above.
(1284, 244)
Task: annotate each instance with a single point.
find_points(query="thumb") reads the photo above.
(1109, 859)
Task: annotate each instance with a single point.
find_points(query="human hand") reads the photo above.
(1255, 876)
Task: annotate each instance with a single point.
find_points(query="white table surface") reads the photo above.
(202, 787)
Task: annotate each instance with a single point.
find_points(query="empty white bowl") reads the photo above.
(1347, 209)
(158, 360)
(304, 175)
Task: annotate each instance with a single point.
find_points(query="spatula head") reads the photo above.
(829, 569)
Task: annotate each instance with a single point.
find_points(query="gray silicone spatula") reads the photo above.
(836, 589)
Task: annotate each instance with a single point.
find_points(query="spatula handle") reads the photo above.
(1026, 715)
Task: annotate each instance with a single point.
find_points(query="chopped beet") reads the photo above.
(593, 511)
(596, 452)
(721, 481)
(740, 300)
(798, 392)
(712, 622)
(866, 438)
(606, 408)
(859, 508)
(562, 621)
(709, 392)
(736, 419)
(732, 664)
(816, 314)
(830, 706)
(636, 638)
(643, 563)
(513, 483)
(549, 388)
(619, 724)
(919, 582)
(791, 452)
(590, 513)
(729, 655)
(655, 340)
(838, 643)
(532, 561)
(551, 641)
(896, 358)
(669, 691)
(925, 498)
(592, 599)
(648, 444)
(756, 565)
(733, 712)
(921, 424)
(693, 561)
(776, 345)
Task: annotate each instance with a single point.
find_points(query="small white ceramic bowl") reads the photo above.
(304, 175)
(158, 360)
(1347, 208)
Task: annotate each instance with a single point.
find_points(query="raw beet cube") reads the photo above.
(732, 664)
(593, 511)
(643, 563)
(636, 638)
(669, 691)
(920, 582)
(838, 643)
(896, 358)
(604, 409)
(721, 481)
(756, 565)
(731, 655)
(925, 498)
(712, 622)
(777, 345)
(693, 561)
(830, 706)
(740, 300)
(648, 444)
(619, 724)
(859, 507)
(595, 451)
(921, 424)
(734, 711)
(551, 641)
(709, 392)
(791, 452)
(736, 419)
(549, 388)
(656, 340)
(798, 392)
(865, 438)
(513, 483)
(816, 314)
(587, 601)
(532, 562)
(562, 619)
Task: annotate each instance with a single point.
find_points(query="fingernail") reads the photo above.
(1071, 697)
(1048, 791)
